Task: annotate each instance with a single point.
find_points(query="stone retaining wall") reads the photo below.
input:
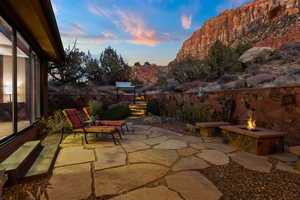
(275, 108)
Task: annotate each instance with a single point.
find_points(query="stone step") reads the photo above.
(18, 163)
(44, 163)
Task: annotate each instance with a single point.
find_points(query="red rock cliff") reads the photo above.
(261, 23)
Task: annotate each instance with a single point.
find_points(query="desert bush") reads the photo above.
(55, 122)
(117, 113)
(222, 59)
(196, 112)
(189, 70)
(95, 108)
(155, 107)
(60, 102)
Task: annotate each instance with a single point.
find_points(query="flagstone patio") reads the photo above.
(151, 163)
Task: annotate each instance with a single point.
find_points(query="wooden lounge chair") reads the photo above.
(120, 124)
(79, 126)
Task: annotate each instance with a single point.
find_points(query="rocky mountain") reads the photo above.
(262, 23)
(148, 74)
(265, 67)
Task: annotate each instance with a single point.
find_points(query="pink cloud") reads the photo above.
(186, 21)
(134, 25)
(76, 32)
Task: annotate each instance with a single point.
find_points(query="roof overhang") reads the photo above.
(36, 21)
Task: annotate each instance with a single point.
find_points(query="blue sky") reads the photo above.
(140, 30)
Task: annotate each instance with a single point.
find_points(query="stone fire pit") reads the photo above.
(259, 141)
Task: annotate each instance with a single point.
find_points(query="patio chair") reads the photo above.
(79, 126)
(120, 124)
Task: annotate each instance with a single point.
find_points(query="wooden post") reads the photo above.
(14, 83)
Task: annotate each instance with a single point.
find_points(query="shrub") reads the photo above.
(155, 107)
(56, 122)
(116, 113)
(95, 108)
(196, 112)
(59, 102)
(223, 59)
(188, 70)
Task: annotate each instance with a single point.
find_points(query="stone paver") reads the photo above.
(135, 146)
(220, 147)
(135, 137)
(198, 146)
(72, 141)
(187, 151)
(110, 157)
(252, 162)
(155, 140)
(156, 156)
(71, 182)
(117, 180)
(159, 193)
(284, 167)
(74, 155)
(212, 139)
(285, 157)
(155, 134)
(192, 186)
(214, 157)
(172, 144)
(189, 163)
(187, 138)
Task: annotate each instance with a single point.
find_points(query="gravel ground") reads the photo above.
(238, 183)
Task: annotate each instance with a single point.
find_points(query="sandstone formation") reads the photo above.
(148, 74)
(262, 23)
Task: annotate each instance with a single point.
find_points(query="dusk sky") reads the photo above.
(140, 30)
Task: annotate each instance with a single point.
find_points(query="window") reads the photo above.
(26, 106)
(24, 83)
(6, 77)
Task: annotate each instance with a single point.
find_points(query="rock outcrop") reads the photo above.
(148, 74)
(262, 23)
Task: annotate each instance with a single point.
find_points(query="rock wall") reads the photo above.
(261, 23)
(276, 108)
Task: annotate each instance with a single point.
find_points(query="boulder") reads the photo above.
(212, 88)
(289, 79)
(235, 84)
(227, 78)
(255, 53)
(260, 78)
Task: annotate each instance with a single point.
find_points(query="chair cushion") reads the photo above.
(95, 129)
(110, 123)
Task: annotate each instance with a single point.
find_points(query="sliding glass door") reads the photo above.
(18, 62)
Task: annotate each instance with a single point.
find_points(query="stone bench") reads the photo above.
(296, 150)
(210, 129)
(260, 141)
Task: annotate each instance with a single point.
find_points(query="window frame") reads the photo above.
(35, 49)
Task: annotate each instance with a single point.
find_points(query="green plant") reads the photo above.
(155, 107)
(116, 113)
(55, 122)
(95, 108)
(195, 112)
